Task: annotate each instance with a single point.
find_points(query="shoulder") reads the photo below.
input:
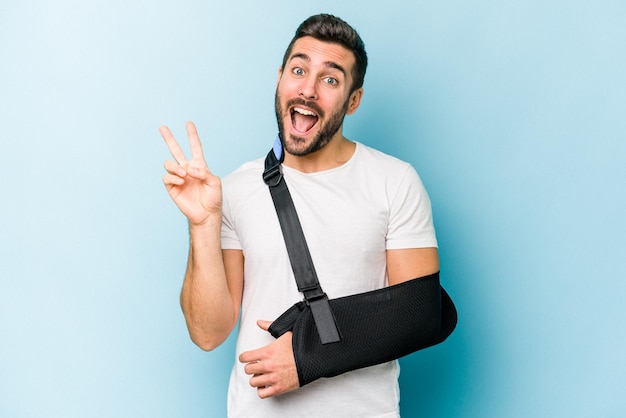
(384, 166)
(244, 185)
(248, 173)
(368, 155)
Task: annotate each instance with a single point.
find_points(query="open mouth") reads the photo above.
(303, 120)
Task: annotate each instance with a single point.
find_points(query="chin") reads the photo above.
(301, 147)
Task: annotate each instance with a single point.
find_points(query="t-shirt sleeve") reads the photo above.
(410, 217)
(230, 240)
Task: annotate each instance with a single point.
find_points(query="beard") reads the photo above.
(297, 145)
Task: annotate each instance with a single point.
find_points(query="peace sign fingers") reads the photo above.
(196, 191)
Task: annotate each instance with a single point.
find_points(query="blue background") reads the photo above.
(512, 112)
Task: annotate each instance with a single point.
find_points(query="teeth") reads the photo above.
(304, 111)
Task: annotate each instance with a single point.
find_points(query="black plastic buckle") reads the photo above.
(273, 175)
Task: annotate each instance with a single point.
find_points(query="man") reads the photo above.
(366, 217)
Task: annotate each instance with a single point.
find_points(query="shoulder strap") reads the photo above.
(299, 256)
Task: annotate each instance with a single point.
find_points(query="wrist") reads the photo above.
(210, 223)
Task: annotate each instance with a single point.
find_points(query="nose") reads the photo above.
(308, 89)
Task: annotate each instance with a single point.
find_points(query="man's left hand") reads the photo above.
(273, 367)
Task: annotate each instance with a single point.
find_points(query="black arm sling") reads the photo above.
(331, 337)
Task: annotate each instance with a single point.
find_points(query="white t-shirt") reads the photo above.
(350, 216)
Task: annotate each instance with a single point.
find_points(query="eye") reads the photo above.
(298, 71)
(331, 81)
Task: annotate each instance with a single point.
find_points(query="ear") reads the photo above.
(354, 101)
(280, 74)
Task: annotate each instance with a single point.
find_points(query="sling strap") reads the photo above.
(299, 255)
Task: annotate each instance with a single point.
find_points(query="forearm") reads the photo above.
(207, 302)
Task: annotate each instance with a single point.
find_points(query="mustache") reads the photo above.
(311, 105)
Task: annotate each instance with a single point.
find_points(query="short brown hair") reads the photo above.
(328, 28)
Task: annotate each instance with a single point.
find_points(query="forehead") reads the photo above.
(322, 53)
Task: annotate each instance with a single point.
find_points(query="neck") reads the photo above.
(337, 152)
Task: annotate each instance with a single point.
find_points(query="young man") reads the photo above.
(366, 217)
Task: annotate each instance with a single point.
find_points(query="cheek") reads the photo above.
(337, 105)
(287, 88)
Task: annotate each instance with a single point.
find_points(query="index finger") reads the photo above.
(194, 142)
(251, 356)
(172, 145)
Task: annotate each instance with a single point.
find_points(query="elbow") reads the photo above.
(208, 339)
(208, 333)
(206, 343)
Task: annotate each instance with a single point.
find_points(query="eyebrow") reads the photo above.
(330, 64)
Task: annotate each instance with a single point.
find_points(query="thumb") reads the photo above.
(264, 325)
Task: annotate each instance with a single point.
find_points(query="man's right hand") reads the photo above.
(196, 192)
